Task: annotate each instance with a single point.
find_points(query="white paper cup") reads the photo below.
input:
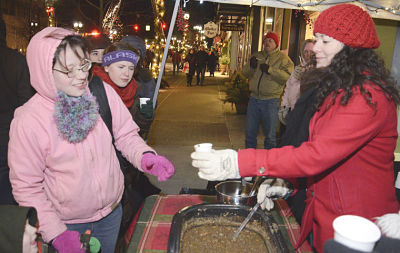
(356, 232)
(143, 101)
(203, 147)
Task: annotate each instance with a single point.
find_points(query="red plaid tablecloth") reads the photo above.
(151, 230)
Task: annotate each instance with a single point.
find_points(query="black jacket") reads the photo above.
(201, 58)
(15, 88)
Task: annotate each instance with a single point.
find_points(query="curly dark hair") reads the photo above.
(349, 68)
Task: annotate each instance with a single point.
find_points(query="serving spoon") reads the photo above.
(253, 210)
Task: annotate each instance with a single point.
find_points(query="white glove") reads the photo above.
(217, 164)
(267, 192)
(282, 113)
(390, 224)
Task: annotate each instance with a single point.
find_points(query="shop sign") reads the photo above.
(210, 29)
(232, 27)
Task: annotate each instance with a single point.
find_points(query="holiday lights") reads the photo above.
(159, 41)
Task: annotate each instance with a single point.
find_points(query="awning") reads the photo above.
(385, 9)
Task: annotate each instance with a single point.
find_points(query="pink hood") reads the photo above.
(44, 44)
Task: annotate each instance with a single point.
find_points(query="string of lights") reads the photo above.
(159, 38)
(110, 18)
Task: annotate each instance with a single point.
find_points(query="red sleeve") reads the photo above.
(334, 136)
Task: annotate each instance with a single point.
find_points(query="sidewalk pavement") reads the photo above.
(186, 116)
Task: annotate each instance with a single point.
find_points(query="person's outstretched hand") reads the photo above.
(157, 165)
(271, 189)
(217, 164)
(68, 242)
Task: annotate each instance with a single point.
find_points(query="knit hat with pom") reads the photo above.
(349, 24)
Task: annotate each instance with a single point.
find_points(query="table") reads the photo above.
(150, 230)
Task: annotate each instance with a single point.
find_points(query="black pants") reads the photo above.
(189, 78)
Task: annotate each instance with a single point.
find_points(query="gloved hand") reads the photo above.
(217, 164)
(264, 68)
(68, 242)
(271, 189)
(158, 166)
(147, 109)
(282, 113)
(390, 224)
(253, 62)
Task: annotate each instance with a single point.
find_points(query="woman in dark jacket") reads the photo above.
(212, 62)
(191, 59)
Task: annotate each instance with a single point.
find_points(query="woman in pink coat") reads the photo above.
(348, 158)
(61, 156)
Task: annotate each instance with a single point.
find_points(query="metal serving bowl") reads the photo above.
(232, 192)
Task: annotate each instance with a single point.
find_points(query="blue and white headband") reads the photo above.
(120, 55)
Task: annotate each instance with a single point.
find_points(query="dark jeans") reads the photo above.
(6, 197)
(265, 111)
(175, 66)
(200, 72)
(189, 79)
(106, 229)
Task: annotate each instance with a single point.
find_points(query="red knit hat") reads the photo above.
(273, 36)
(349, 24)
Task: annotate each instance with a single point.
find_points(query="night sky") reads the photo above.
(132, 12)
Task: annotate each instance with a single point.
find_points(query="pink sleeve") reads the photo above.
(125, 130)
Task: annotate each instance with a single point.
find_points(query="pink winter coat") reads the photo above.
(66, 183)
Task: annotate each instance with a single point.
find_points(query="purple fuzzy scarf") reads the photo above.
(75, 116)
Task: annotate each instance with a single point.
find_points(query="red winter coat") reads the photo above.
(348, 161)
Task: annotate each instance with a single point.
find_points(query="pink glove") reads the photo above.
(158, 166)
(68, 242)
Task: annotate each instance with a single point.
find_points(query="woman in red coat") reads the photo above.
(348, 158)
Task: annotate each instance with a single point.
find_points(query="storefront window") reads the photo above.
(269, 19)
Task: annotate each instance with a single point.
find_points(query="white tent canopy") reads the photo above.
(385, 9)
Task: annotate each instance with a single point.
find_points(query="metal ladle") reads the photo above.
(253, 210)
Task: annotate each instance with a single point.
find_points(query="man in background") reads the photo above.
(201, 64)
(268, 71)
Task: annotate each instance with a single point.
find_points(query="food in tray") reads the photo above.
(215, 234)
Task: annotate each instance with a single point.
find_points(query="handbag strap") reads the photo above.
(97, 89)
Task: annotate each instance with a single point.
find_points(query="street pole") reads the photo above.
(170, 30)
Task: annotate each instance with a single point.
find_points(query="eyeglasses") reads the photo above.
(84, 67)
